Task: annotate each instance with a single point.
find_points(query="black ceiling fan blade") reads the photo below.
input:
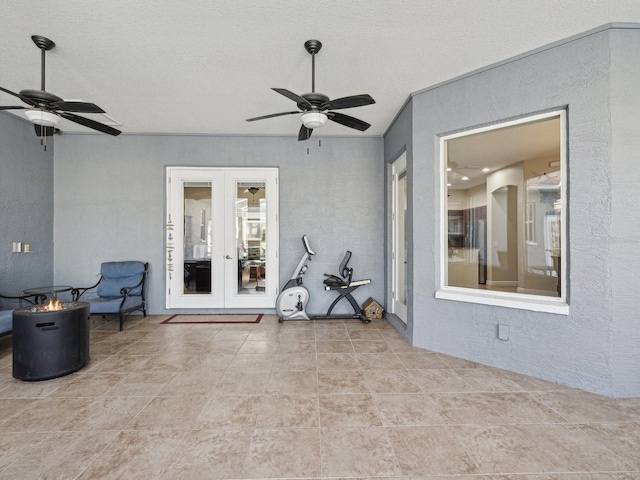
(349, 102)
(348, 121)
(21, 97)
(11, 108)
(43, 131)
(78, 107)
(294, 97)
(304, 133)
(271, 116)
(101, 127)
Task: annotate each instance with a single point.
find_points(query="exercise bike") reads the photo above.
(292, 301)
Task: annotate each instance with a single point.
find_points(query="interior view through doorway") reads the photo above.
(221, 238)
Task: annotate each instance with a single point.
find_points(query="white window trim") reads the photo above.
(557, 305)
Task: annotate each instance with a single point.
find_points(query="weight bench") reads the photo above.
(343, 285)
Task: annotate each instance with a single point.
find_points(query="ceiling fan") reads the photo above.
(45, 110)
(316, 108)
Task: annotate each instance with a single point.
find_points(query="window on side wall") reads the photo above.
(504, 216)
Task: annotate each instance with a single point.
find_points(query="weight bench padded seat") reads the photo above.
(121, 289)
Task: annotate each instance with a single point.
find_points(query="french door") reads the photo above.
(221, 237)
(399, 238)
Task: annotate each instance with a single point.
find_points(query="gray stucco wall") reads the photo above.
(594, 76)
(26, 206)
(396, 141)
(110, 203)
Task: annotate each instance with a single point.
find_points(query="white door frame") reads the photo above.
(224, 255)
(398, 239)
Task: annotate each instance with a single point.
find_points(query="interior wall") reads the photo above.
(26, 206)
(110, 203)
(575, 350)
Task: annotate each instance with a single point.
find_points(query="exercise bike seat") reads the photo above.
(334, 282)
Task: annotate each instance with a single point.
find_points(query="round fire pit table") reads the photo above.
(50, 343)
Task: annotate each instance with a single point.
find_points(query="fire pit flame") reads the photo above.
(53, 305)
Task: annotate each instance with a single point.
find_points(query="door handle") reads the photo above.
(228, 257)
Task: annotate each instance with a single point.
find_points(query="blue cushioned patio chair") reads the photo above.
(122, 289)
(6, 310)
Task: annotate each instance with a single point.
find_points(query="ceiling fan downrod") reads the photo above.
(313, 47)
(44, 44)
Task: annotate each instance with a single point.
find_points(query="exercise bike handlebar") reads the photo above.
(307, 247)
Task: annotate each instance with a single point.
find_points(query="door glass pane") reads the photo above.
(251, 243)
(197, 240)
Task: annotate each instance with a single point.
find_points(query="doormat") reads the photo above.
(216, 318)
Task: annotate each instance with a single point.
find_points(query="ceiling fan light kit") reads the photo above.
(316, 108)
(314, 119)
(42, 117)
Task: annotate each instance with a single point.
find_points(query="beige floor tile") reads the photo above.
(89, 385)
(465, 409)
(334, 346)
(390, 381)
(440, 380)
(457, 363)
(169, 413)
(284, 411)
(16, 445)
(259, 346)
(297, 347)
(521, 407)
(242, 383)
(409, 409)
(501, 449)
(357, 452)
(294, 361)
(107, 413)
(369, 334)
(337, 361)
(379, 361)
(192, 382)
(429, 451)
(293, 382)
(209, 454)
(135, 454)
(488, 380)
(416, 361)
(623, 439)
(45, 415)
(67, 455)
(123, 364)
(368, 346)
(140, 385)
(229, 411)
(342, 381)
(282, 453)
(584, 407)
(352, 410)
(572, 448)
(252, 362)
(326, 334)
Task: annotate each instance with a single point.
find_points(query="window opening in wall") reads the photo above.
(505, 211)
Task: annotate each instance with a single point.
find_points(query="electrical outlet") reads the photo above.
(27, 248)
(17, 247)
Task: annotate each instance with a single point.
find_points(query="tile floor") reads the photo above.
(338, 400)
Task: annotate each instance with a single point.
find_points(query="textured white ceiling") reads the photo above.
(203, 67)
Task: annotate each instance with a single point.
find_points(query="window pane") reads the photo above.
(251, 228)
(504, 208)
(197, 237)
